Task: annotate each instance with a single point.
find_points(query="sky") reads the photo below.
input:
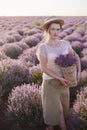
(43, 7)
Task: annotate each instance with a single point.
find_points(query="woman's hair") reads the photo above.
(52, 23)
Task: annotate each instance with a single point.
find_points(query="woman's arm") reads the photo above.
(44, 68)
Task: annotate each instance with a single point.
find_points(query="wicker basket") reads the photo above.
(70, 74)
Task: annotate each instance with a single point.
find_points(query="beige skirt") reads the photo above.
(52, 93)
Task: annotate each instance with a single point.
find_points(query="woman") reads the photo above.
(55, 90)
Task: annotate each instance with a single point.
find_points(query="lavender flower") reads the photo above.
(65, 60)
(75, 122)
(13, 73)
(24, 103)
(80, 105)
(29, 55)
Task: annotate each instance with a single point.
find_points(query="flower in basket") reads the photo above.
(65, 60)
(67, 65)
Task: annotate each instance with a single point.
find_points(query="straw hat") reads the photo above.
(50, 20)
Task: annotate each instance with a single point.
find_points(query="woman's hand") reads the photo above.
(64, 82)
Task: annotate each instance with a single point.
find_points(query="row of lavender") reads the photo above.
(20, 73)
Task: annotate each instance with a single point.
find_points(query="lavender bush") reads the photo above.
(85, 37)
(84, 52)
(39, 35)
(80, 105)
(12, 50)
(83, 78)
(29, 32)
(24, 105)
(10, 39)
(1, 42)
(13, 73)
(75, 123)
(36, 75)
(20, 32)
(81, 29)
(65, 60)
(3, 56)
(29, 55)
(22, 44)
(78, 47)
(17, 37)
(84, 62)
(73, 37)
(69, 30)
(85, 44)
(31, 41)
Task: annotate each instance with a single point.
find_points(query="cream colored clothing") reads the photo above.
(52, 90)
(52, 93)
(50, 53)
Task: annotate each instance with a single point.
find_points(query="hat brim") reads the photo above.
(45, 25)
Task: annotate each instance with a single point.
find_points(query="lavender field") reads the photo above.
(21, 75)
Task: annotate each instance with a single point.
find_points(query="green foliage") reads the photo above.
(36, 75)
(13, 51)
(37, 23)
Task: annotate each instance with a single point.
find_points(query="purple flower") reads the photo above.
(65, 60)
(24, 103)
(80, 104)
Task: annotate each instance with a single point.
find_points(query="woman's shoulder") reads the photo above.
(65, 43)
(42, 46)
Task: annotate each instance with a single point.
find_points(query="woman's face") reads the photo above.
(54, 30)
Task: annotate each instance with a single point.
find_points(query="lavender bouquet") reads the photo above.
(67, 65)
